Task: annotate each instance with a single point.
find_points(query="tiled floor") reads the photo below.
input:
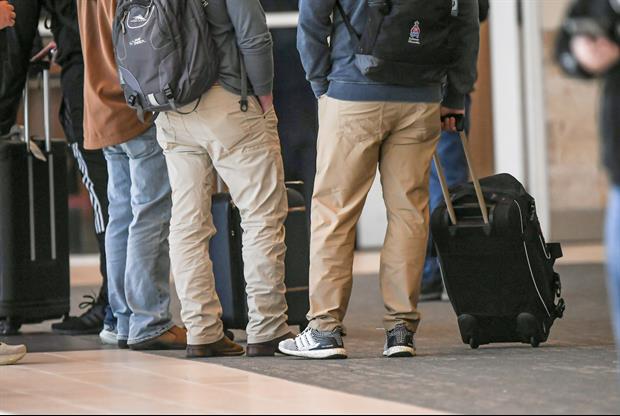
(123, 382)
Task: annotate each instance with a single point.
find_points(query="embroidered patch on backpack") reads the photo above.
(415, 35)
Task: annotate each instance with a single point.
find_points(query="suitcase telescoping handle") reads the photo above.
(44, 67)
(442, 177)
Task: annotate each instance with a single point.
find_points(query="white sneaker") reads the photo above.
(108, 336)
(315, 344)
(10, 354)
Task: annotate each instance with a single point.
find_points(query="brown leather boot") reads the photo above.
(173, 339)
(223, 348)
(267, 349)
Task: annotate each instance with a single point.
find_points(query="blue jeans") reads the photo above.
(137, 238)
(452, 157)
(613, 256)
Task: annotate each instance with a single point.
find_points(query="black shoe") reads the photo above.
(89, 323)
(267, 349)
(399, 343)
(122, 344)
(432, 290)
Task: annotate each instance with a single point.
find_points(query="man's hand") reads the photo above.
(7, 14)
(449, 124)
(597, 55)
(266, 102)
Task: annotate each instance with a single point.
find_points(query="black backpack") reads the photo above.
(165, 53)
(405, 42)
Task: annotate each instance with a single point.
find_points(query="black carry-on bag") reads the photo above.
(226, 254)
(496, 266)
(34, 246)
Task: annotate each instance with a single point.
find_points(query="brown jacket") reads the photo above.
(108, 121)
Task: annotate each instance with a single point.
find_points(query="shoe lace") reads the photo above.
(89, 303)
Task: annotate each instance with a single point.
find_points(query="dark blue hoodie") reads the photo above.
(328, 56)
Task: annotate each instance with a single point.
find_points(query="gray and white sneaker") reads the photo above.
(315, 344)
(399, 343)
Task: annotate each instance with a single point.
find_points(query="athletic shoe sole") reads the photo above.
(93, 331)
(12, 359)
(399, 352)
(327, 354)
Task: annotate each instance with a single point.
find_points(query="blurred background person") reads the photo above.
(16, 45)
(588, 46)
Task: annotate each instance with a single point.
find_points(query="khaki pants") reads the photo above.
(244, 149)
(354, 137)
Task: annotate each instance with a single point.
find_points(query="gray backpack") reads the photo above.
(165, 53)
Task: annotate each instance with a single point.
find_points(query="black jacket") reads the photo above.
(599, 10)
(484, 9)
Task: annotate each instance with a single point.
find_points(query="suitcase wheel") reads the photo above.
(530, 330)
(468, 325)
(10, 326)
(473, 343)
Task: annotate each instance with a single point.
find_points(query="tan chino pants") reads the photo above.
(354, 138)
(244, 149)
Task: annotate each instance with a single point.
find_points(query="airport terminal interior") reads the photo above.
(528, 119)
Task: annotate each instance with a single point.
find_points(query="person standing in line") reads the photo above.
(9, 354)
(15, 53)
(294, 102)
(362, 124)
(243, 147)
(139, 194)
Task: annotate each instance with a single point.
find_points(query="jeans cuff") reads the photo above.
(152, 334)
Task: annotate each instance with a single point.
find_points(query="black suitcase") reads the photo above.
(34, 246)
(497, 267)
(226, 254)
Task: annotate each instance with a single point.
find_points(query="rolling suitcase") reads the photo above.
(495, 263)
(226, 254)
(34, 246)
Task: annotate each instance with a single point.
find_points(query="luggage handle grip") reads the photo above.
(442, 177)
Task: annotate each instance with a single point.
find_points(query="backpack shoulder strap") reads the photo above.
(355, 37)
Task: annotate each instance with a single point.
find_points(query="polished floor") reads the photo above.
(576, 372)
(120, 382)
